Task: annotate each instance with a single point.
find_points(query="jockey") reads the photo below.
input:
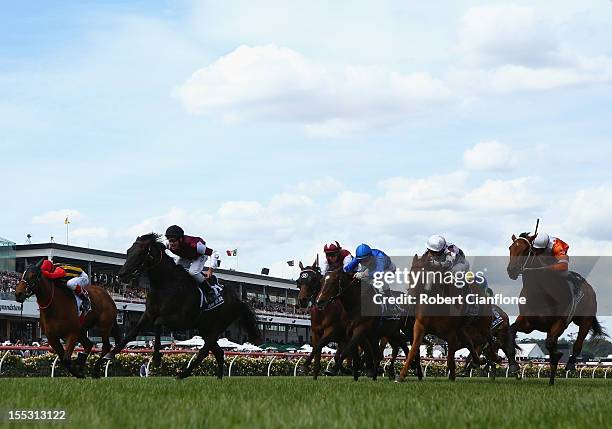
(370, 261)
(76, 278)
(335, 257)
(193, 254)
(552, 247)
(445, 255)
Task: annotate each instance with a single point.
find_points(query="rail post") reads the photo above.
(108, 362)
(229, 372)
(2, 360)
(270, 365)
(296, 366)
(53, 366)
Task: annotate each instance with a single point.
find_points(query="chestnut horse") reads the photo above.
(59, 318)
(547, 300)
(445, 321)
(329, 323)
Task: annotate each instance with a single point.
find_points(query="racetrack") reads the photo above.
(275, 402)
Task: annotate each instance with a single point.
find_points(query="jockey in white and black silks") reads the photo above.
(192, 255)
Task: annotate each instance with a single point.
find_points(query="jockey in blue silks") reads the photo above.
(368, 261)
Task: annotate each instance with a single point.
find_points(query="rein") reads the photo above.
(530, 256)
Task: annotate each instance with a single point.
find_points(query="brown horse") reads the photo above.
(445, 320)
(329, 323)
(547, 301)
(59, 318)
(364, 330)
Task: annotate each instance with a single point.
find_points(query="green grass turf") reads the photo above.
(285, 402)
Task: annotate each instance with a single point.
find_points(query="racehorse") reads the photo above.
(364, 330)
(59, 318)
(547, 302)
(174, 301)
(445, 321)
(329, 322)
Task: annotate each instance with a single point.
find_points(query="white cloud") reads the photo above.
(56, 217)
(501, 34)
(319, 187)
(281, 85)
(489, 156)
(509, 48)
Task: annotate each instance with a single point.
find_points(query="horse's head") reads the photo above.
(145, 253)
(520, 251)
(333, 285)
(29, 282)
(309, 283)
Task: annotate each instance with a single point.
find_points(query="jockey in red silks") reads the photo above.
(193, 254)
(335, 257)
(77, 280)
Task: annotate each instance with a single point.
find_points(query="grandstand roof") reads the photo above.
(84, 254)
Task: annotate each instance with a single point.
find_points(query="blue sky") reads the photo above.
(273, 127)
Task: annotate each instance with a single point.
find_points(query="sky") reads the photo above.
(273, 127)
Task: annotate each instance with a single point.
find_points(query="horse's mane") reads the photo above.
(152, 236)
(524, 235)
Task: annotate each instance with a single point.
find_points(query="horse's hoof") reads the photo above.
(331, 372)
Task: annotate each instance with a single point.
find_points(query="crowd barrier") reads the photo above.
(298, 357)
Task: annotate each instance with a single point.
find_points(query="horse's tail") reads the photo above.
(248, 321)
(597, 331)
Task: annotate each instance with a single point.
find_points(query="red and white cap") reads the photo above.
(332, 247)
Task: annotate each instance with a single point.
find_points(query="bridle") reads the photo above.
(33, 286)
(143, 267)
(306, 275)
(530, 256)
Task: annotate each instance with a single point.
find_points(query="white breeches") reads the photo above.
(194, 267)
(82, 281)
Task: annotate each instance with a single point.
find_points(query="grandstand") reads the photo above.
(274, 299)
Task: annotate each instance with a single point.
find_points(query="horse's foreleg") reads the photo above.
(142, 322)
(418, 332)
(81, 359)
(316, 353)
(67, 360)
(219, 357)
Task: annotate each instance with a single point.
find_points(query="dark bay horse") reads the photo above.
(445, 321)
(59, 318)
(364, 329)
(502, 340)
(329, 323)
(173, 301)
(548, 299)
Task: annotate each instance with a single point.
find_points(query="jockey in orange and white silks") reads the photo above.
(553, 247)
(76, 279)
(335, 257)
(193, 254)
(445, 255)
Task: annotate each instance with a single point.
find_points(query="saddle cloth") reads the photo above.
(216, 301)
(574, 281)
